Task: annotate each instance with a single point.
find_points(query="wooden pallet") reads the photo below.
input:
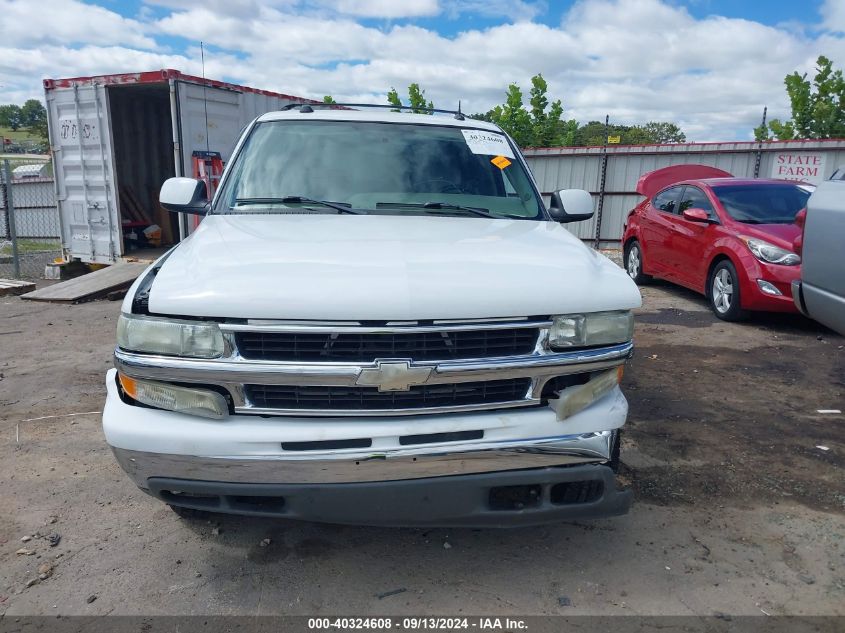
(15, 287)
(91, 286)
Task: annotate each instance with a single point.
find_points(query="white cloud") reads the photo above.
(637, 60)
(515, 10)
(386, 8)
(833, 14)
(27, 23)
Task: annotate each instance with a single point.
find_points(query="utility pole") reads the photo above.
(760, 146)
(603, 179)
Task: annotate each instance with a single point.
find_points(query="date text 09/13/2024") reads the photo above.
(417, 623)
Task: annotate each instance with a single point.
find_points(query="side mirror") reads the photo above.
(696, 215)
(571, 205)
(184, 195)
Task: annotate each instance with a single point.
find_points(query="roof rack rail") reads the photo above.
(309, 107)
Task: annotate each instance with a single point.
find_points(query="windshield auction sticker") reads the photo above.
(501, 162)
(488, 143)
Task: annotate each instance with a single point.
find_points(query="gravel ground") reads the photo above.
(739, 509)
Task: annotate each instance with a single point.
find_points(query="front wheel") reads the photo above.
(634, 263)
(723, 292)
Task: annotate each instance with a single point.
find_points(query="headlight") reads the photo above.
(596, 328)
(573, 399)
(202, 402)
(770, 253)
(169, 336)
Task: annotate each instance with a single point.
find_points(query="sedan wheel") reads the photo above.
(724, 292)
(634, 263)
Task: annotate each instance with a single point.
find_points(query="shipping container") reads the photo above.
(115, 138)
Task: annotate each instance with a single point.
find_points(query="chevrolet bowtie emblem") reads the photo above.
(393, 376)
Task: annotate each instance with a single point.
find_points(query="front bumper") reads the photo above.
(781, 277)
(447, 480)
(501, 499)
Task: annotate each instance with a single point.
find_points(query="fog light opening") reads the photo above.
(515, 497)
(768, 288)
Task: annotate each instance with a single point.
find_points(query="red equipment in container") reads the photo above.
(208, 167)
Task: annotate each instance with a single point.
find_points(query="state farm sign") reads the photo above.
(806, 166)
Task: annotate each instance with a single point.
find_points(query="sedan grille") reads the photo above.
(367, 347)
(312, 397)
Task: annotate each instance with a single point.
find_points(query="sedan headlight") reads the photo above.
(595, 328)
(170, 337)
(770, 253)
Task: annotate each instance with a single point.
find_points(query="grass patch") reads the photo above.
(21, 134)
(30, 246)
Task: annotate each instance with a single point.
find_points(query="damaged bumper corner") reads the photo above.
(574, 399)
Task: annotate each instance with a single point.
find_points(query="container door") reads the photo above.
(221, 109)
(80, 137)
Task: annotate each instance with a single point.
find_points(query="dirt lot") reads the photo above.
(738, 509)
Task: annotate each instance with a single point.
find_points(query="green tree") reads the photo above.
(539, 102)
(416, 99)
(10, 116)
(329, 99)
(393, 99)
(593, 133)
(34, 117)
(513, 118)
(542, 125)
(663, 132)
(549, 129)
(818, 107)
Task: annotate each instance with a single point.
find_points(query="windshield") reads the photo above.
(764, 203)
(390, 168)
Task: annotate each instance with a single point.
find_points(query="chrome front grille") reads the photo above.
(306, 398)
(352, 369)
(366, 347)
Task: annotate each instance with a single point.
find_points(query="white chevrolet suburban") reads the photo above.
(378, 322)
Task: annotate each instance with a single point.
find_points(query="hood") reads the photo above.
(778, 234)
(379, 267)
(653, 181)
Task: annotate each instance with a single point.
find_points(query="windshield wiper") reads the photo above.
(297, 200)
(484, 213)
(479, 211)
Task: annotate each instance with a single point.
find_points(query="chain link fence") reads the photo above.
(30, 233)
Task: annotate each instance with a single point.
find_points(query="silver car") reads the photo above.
(820, 293)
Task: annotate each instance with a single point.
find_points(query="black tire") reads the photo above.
(190, 514)
(723, 292)
(633, 259)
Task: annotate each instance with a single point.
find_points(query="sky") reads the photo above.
(708, 65)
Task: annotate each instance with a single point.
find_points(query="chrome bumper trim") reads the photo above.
(258, 325)
(248, 409)
(233, 373)
(346, 374)
(368, 465)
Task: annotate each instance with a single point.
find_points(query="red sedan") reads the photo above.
(730, 239)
